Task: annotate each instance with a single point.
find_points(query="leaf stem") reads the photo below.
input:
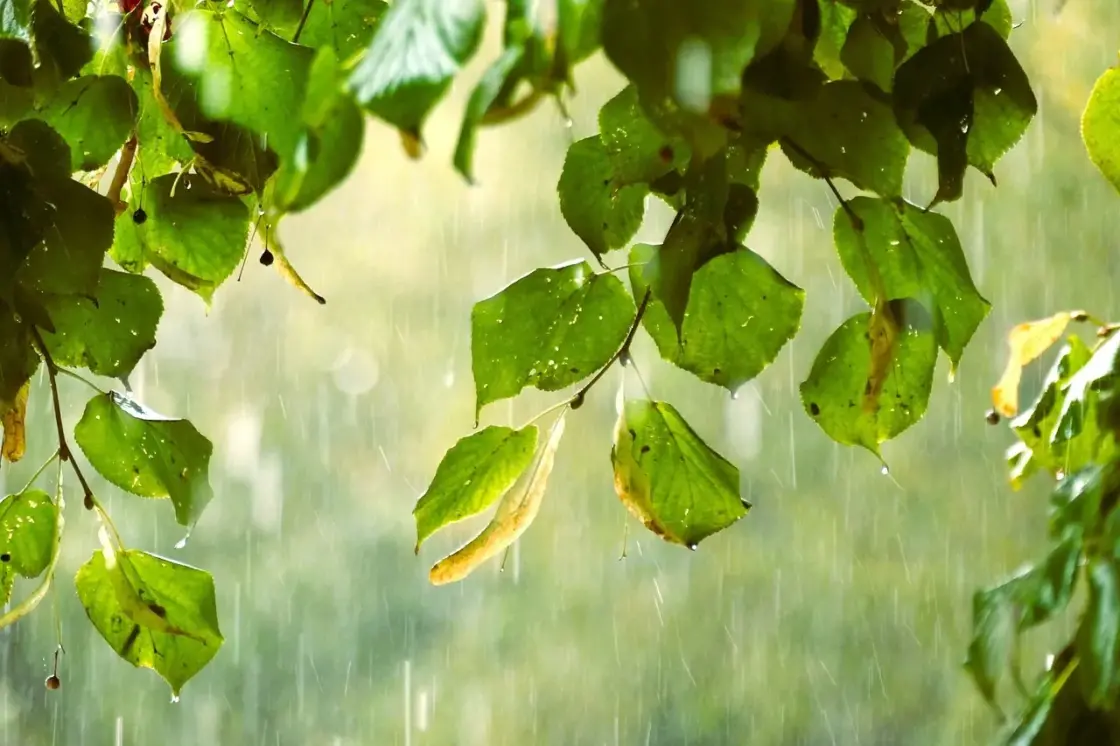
(120, 175)
(86, 381)
(39, 472)
(64, 453)
(857, 223)
(515, 110)
(544, 413)
(623, 351)
(302, 21)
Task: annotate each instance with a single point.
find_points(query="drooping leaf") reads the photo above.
(95, 115)
(740, 314)
(517, 510)
(916, 254)
(107, 334)
(14, 422)
(115, 587)
(1094, 385)
(418, 48)
(146, 453)
(28, 526)
(493, 81)
(1047, 588)
(73, 249)
(477, 470)
(328, 146)
(1099, 635)
(1100, 125)
(604, 211)
(549, 329)
(966, 99)
(669, 478)
(994, 624)
(834, 393)
(192, 233)
(1026, 342)
(18, 359)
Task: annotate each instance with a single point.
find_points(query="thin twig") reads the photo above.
(39, 472)
(857, 223)
(302, 21)
(623, 350)
(84, 380)
(515, 110)
(64, 453)
(120, 176)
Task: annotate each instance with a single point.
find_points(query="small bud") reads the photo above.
(266, 258)
(139, 217)
(53, 682)
(992, 417)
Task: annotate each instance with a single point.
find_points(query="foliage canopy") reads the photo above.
(141, 137)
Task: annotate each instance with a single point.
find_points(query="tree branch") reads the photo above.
(64, 453)
(857, 223)
(124, 165)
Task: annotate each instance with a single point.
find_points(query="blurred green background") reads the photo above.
(837, 612)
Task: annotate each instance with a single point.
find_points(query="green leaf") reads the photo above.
(836, 20)
(997, 15)
(28, 527)
(1098, 636)
(419, 47)
(107, 334)
(195, 236)
(181, 595)
(46, 154)
(25, 216)
(15, 40)
(330, 143)
(95, 115)
(493, 81)
(73, 249)
(1048, 587)
(1081, 410)
(669, 478)
(161, 146)
(966, 99)
(551, 328)
(578, 28)
(916, 254)
(741, 312)
(833, 394)
(637, 149)
(146, 453)
(244, 74)
(62, 47)
(18, 359)
(347, 26)
(870, 50)
(844, 131)
(600, 208)
(993, 627)
(693, 51)
(477, 470)
(1100, 125)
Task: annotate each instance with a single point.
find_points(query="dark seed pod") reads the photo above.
(5, 557)
(139, 217)
(266, 258)
(53, 682)
(992, 417)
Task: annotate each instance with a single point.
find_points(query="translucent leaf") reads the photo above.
(186, 637)
(28, 526)
(1026, 342)
(637, 149)
(516, 512)
(477, 470)
(598, 206)
(1095, 382)
(740, 314)
(966, 99)
(1100, 125)
(669, 478)
(419, 47)
(196, 235)
(549, 329)
(834, 392)
(95, 115)
(916, 254)
(147, 454)
(107, 334)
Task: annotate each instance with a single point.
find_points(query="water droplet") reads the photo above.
(174, 699)
(885, 471)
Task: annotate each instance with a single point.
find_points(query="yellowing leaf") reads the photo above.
(882, 333)
(632, 484)
(515, 512)
(1027, 341)
(288, 272)
(15, 430)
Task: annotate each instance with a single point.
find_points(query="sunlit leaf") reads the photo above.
(740, 314)
(599, 207)
(549, 329)
(1026, 342)
(147, 454)
(95, 115)
(516, 511)
(669, 478)
(477, 470)
(28, 526)
(637, 149)
(1100, 125)
(177, 636)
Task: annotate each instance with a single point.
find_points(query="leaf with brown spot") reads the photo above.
(15, 426)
